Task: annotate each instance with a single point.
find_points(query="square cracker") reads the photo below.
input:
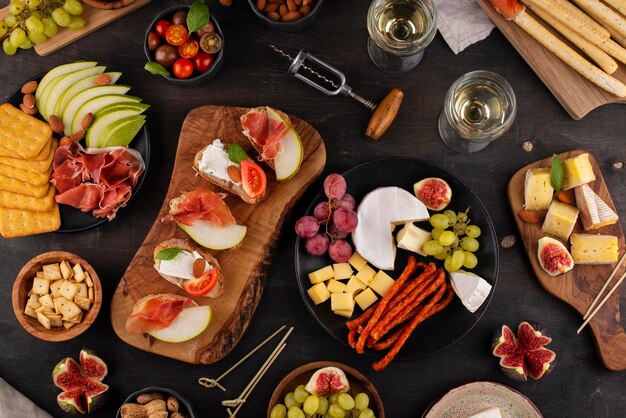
(19, 201)
(45, 153)
(16, 186)
(36, 179)
(34, 165)
(22, 134)
(19, 223)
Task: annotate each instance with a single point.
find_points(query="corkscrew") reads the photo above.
(332, 82)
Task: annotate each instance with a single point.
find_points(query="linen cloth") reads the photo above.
(462, 23)
(15, 405)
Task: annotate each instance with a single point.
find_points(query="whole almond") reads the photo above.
(234, 174)
(77, 136)
(226, 3)
(291, 16)
(307, 2)
(274, 16)
(102, 80)
(65, 141)
(28, 110)
(56, 124)
(283, 10)
(260, 4)
(565, 197)
(292, 6)
(29, 100)
(531, 216)
(198, 267)
(298, 2)
(30, 87)
(271, 7)
(305, 10)
(86, 122)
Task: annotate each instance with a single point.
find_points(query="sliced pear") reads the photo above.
(140, 107)
(121, 132)
(58, 71)
(81, 98)
(190, 323)
(50, 97)
(215, 237)
(81, 85)
(287, 162)
(100, 123)
(98, 103)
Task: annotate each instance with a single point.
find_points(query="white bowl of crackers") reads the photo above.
(56, 296)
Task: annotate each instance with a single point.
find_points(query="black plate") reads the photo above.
(72, 219)
(451, 324)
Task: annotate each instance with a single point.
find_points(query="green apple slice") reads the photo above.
(215, 237)
(82, 97)
(121, 132)
(58, 71)
(83, 84)
(53, 92)
(287, 161)
(189, 323)
(95, 131)
(95, 104)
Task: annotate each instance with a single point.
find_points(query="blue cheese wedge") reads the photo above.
(470, 288)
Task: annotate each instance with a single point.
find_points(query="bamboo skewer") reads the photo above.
(608, 295)
(617, 267)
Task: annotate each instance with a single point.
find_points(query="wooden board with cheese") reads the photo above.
(595, 246)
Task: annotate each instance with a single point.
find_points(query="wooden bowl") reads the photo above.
(301, 375)
(24, 282)
(108, 4)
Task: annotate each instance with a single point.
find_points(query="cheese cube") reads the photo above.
(560, 220)
(594, 212)
(412, 238)
(357, 261)
(344, 312)
(66, 271)
(79, 274)
(40, 286)
(366, 274)
(578, 171)
(321, 275)
(52, 271)
(382, 283)
(335, 286)
(341, 301)
(318, 293)
(366, 298)
(354, 286)
(342, 271)
(594, 249)
(538, 191)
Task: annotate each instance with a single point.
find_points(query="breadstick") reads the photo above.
(604, 14)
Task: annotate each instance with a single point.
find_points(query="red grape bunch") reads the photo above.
(336, 216)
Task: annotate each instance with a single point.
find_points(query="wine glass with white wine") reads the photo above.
(399, 31)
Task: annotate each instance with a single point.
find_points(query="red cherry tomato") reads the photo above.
(253, 179)
(189, 49)
(161, 27)
(183, 68)
(153, 41)
(176, 35)
(203, 284)
(203, 61)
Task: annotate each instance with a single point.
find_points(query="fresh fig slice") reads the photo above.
(326, 381)
(92, 365)
(73, 401)
(82, 392)
(434, 192)
(553, 256)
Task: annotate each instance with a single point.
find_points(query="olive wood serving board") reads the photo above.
(577, 95)
(244, 268)
(94, 19)
(580, 285)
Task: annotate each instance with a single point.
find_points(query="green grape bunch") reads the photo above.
(32, 22)
(302, 404)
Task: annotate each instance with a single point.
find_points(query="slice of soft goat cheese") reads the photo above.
(378, 212)
(215, 161)
(489, 413)
(470, 288)
(180, 266)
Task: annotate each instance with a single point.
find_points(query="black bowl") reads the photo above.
(151, 389)
(194, 79)
(288, 26)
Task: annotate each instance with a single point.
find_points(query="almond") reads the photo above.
(29, 100)
(86, 122)
(30, 87)
(291, 5)
(234, 174)
(56, 124)
(291, 16)
(198, 267)
(273, 16)
(565, 197)
(270, 8)
(28, 110)
(532, 216)
(77, 136)
(102, 80)
(226, 3)
(305, 10)
(65, 141)
(260, 4)
(283, 10)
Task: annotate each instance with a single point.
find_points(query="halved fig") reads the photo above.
(434, 192)
(92, 365)
(554, 257)
(326, 381)
(83, 392)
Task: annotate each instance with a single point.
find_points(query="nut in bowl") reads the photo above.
(56, 296)
(286, 15)
(161, 402)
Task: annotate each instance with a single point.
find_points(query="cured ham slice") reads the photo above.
(154, 312)
(264, 133)
(200, 204)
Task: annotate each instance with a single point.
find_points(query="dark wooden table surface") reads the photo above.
(578, 387)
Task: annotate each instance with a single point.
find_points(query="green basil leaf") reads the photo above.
(198, 16)
(236, 154)
(156, 69)
(557, 172)
(168, 253)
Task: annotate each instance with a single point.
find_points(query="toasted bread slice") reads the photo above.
(246, 132)
(186, 245)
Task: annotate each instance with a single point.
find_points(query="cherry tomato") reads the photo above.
(189, 49)
(203, 284)
(183, 68)
(176, 35)
(161, 27)
(203, 61)
(211, 43)
(180, 17)
(253, 179)
(153, 41)
(208, 28)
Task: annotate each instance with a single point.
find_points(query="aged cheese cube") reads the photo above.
(357, 261)
(342, 271)
(321, 275)
(538, 191)
(41, 286)
(52, 271)
(346, 313)
(366, 298)
(33, 301)
(594, 212)
(79, 274)
(83, 303)
(43, 320)
(578, 171)
(341, 301)
(68, 290)
(594, 249)
(82, 290)
(55, 287)
(66, 271)
(366, 274)
(382, 283)
(560, 220)
(46, 300)
(319, 293)
(354, 286)
(335, 286)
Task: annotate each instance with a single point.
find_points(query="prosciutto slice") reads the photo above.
(200, 204)
(264, 133)
(97, 180)
(154, 312)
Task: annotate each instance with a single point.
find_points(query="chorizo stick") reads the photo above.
(363, 318)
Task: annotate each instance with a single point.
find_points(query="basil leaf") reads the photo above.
(156, 69)
(236, 154)
(168, 253)
(198, 16)
(557, 172)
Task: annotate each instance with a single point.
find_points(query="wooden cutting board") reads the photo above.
(245, 268)
(94, 20)
(577, 95)
(580, 285)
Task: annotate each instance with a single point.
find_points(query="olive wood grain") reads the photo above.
(94, 19)
(245, 267)
(579, 286)
(577, 95)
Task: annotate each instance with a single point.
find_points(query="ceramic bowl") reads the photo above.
(185, 407)
(24, 282)
(294, 26)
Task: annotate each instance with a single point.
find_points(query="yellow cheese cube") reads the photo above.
(594, 249)
(322, 274)
(335, 286)
(578, 171)
(341, 301)
(560, 220)
(318, 293)
(538, 191)
(342, 271)
(357, 261)
(366, 298)
(344, 312)
(366, 274)
(354, 286)
(382, 283)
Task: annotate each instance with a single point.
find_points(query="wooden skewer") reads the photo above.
(617, 267)
(608, 295)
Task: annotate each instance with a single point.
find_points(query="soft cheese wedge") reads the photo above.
(594, 249)
(472, 289)
(412, 238)
(379, 210)
(594, 212)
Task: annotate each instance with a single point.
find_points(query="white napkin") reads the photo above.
(15, 405)
(462, 23)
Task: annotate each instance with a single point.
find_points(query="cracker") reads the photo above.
(45, 154)
(36, 179)
(17, 186)
(22, 134)
(19, 201)
(18, 223)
